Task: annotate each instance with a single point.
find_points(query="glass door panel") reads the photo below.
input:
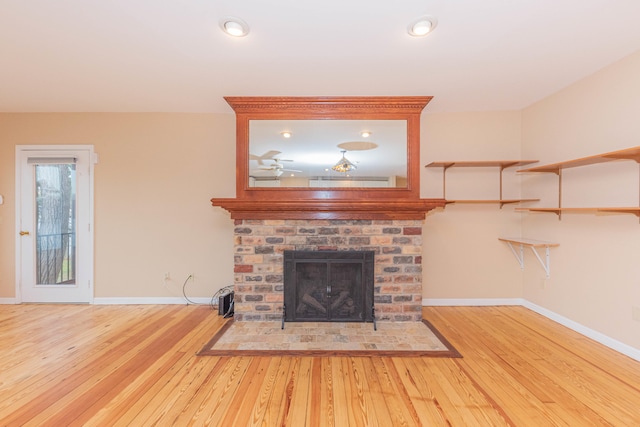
(55, 190)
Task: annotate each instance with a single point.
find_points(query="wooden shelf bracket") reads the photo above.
(533, 244)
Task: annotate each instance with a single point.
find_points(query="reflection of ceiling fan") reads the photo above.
(278, 168)
(269, 155)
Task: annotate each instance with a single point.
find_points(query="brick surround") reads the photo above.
(258, 262)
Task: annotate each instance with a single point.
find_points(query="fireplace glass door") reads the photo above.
(328, 286)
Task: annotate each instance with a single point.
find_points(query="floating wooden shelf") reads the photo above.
(558, 211)
(528, 242)
(501, 202)
(480, 164)
(633, 210)
(502, 164)
(626, 154)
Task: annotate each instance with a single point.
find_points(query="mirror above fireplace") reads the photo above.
(304, 153)
(382, 176)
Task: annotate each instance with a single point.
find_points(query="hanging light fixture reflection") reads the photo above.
(344, 165)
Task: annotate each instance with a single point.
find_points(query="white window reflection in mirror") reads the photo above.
(304, 153)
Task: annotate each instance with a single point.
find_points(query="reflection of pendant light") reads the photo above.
(344, 165)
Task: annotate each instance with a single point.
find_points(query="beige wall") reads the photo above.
(155, 176)
(463, 258)
(595, 272)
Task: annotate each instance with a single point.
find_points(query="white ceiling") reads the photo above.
(171, 56)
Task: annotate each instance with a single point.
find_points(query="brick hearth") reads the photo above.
(258, 262)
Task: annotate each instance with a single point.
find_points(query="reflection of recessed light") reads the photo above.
(234, 26)
(422, 26)
(285, 134)
(365, 134)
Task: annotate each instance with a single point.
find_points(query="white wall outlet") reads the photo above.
(167, 276)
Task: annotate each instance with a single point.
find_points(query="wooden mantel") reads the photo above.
(328, 209)
(328, 203)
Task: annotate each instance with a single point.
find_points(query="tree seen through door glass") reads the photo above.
(55, 224)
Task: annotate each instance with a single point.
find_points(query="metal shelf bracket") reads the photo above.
(519, 252)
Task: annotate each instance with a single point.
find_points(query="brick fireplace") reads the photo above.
(259, 246)
(386, 221)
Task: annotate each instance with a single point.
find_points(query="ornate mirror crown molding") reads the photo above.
(381, 104)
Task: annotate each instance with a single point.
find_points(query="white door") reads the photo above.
(54, 191)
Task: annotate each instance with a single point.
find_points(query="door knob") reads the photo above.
(24, 233)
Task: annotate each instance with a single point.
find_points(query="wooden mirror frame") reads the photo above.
(328, 203)
(327, 108)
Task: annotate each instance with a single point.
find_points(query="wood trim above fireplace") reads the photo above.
(328, 209)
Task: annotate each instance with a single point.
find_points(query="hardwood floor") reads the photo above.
(136, 365)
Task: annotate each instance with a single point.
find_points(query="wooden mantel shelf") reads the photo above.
(327, 209)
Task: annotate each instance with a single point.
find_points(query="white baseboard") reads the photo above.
(153, 300)
(442, 302)
(613, 344)
(138, 300)
(603, 339)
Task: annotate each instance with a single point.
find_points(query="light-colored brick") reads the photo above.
(253, 259)
(413, 250)
(381, 240)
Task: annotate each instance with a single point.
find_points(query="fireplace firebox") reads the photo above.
(328, 286)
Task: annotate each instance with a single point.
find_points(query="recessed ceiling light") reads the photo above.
(286, 134)
(365, 134)
(422, 26)
(234, 26)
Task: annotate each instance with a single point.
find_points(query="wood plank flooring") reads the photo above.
(136, 366)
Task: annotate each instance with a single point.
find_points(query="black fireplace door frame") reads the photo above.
(322, 265)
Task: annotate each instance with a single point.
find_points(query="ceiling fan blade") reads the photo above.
(266, 156)
(270, 154)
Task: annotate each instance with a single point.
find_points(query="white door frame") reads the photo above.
(89, 250)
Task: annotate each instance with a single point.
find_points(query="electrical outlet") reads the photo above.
(167, 276)
(635, 313)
